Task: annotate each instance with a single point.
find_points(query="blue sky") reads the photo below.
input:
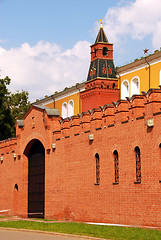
(64, 22)
(45, 44)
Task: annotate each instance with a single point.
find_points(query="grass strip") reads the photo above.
(107, 232)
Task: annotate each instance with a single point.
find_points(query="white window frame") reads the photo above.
(124, 89)
(70, 108)
(64, 110)
(135, 90)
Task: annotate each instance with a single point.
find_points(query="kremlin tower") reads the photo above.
(101, 86)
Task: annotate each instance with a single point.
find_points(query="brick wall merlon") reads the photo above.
(96, 114)
(154, 95)
(75, 121)
(153, 102)
(85, 121)
(137, 106)
(8, 146)
(65, 127)
(85, 117)
(122, 111)
(108, 114)
(108, 109)
(138, 101)
(65, 123)
(122, 106)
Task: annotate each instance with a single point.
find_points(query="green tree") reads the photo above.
(12, 106)
(19, 104)
(6, 119)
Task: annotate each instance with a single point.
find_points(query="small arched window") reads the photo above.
(16, 187)
(124, 89)
(70, 108)
(138, 164)
(105, 51)
(64, 110)
(135, 86)
(97, 168)
(116, 166)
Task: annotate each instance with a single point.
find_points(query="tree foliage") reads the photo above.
(6, 119)
(19, 104)
(12, 106)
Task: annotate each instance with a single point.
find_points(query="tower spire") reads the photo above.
(101, 36)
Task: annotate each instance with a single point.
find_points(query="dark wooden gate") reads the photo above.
(36, 180)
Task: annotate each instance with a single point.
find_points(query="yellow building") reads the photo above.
(140, 75)
(133, 78)
(67, 101)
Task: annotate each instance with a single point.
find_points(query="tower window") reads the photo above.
(113, 85)
(138, 164)
(97, 168)
(95, 52)
(105, 51)
(33, 121)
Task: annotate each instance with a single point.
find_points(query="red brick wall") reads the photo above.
(99, 48)
(96, 97)
(70, 171)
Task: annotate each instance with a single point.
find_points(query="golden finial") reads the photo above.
(101, 23)
(146, 51)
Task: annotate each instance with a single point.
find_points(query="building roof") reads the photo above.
(98, 65)
(61, 94)
(137, 63)
(101, 37)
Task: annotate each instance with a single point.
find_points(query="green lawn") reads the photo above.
(107, 232)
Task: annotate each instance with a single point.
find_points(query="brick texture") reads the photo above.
(70, 168)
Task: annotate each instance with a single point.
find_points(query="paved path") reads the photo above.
(25, 235)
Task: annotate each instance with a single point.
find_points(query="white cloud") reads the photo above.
(45, 67)
(135, 19)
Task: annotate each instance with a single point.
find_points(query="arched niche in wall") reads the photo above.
(70, 108)
(97, 158)
(124, 89)
(64, 110)
(135, 86)
(138, 164)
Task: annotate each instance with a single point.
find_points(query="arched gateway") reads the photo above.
(36, 179)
